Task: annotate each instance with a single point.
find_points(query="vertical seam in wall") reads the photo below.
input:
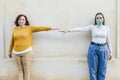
(117, 28)
(3, 16)
(2, 21)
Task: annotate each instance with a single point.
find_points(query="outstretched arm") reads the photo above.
(77, 29)
(40, 28)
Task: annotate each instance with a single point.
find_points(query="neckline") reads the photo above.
(21, 27)
(99, 26)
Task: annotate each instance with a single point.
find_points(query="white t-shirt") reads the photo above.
(100, 34)
(21, 52)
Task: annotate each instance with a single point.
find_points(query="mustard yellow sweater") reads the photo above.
(22, 37)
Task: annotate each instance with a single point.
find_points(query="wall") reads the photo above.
(58, 56)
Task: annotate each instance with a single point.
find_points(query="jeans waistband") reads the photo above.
(98, 44)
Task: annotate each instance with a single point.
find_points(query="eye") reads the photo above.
(99, 17)
(22, 19)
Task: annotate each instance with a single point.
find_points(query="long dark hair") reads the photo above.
(102, 16)
(17, 18)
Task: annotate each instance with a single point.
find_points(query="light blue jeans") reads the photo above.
(97, 61)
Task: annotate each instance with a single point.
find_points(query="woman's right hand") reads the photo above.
(110, 56)
(10, 55)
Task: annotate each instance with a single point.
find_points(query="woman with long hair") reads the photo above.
(100, 47)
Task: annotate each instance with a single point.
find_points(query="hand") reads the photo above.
(10, 55)
(110, 56)
(63, 31)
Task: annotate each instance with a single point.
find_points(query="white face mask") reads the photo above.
(99, 22)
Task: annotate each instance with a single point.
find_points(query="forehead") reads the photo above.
(22, 17)
(99, 15)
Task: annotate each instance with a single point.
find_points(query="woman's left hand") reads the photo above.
(110, 56)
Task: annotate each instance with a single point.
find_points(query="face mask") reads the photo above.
(99, 22)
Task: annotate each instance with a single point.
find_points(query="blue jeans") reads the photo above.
(97, 61)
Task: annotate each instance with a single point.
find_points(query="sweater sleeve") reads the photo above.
(109, 41)
(79, 29)
(40, 28)
(11, 44)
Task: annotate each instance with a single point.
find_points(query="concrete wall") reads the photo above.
(58, 56)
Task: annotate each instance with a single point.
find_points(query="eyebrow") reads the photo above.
(99, 17)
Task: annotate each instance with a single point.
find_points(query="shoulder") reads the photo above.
(30, 26)
(91, 26)
(106, 26)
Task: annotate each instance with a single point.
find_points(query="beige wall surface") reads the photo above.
(59, 13)
(58, 56)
